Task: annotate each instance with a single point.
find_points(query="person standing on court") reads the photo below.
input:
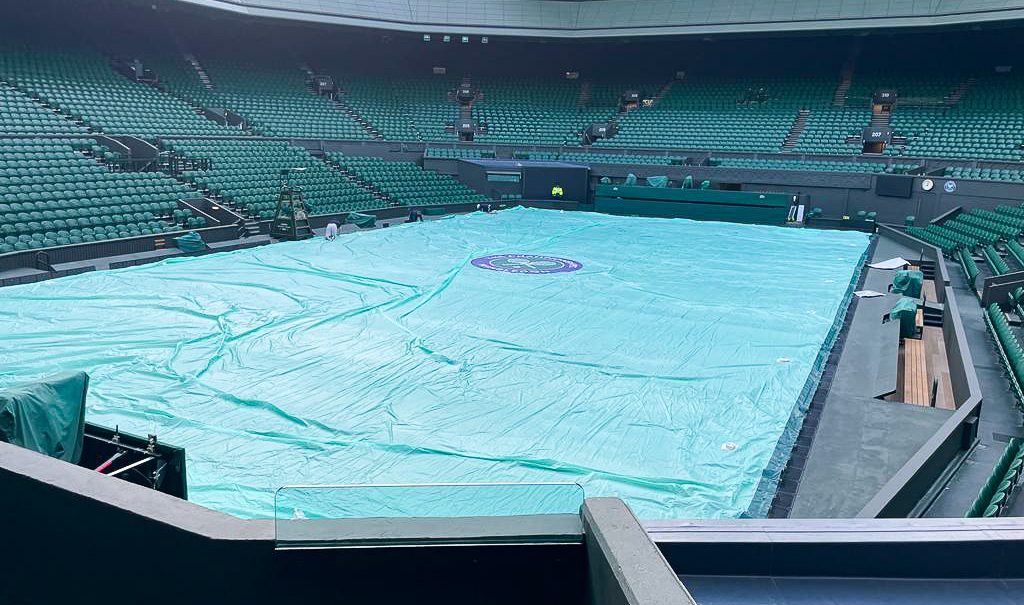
(331, 231)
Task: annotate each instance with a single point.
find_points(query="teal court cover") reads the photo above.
(663, 361)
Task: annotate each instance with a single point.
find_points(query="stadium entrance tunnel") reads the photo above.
(175, 551)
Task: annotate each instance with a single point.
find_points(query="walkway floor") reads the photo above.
(999, 418)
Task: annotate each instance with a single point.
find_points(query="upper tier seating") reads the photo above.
(912, 87)
(714, 113)
(83, 86)
(19, 114)
(827, 130)
(413, 109)
(538, 111)
(272, 97)
(52, 194)
(408, 183)
(985, 124)
(248, 173)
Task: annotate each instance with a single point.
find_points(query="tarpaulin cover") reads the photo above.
(908, 283)
(362, 220)
(630, 179)
(190, 242)
(657, 181)
(661, 360)
(46, 416)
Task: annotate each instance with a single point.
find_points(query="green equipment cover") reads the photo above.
(657, 181)
(361, 220)
(688, 182)
(605, 180)
(630, 179)
(705, 184)
(190, 242)
(908, 283)
(905, 311)
(438, 211)
(47, 417)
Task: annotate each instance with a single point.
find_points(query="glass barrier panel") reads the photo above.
(310, 515)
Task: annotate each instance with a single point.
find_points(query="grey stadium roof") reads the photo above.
(618, 18)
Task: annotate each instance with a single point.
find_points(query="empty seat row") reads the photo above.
(247, 174)
(407, 182)
(76, 199)
(992, 497)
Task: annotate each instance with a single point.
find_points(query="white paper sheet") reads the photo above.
(868, 294)
(893, 263)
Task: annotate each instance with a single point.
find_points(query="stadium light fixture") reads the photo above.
(426, 37)
(465, 39)
(483, 40)
(446, 39)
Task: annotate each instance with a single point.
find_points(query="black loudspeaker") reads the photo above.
(894, 185)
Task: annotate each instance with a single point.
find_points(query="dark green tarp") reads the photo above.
(630, 179)
(439, 211)
(47, 417)
(657, 181)
(908, 283)
(605, 180)
(190, 242)
(905, 311)
(361, 220)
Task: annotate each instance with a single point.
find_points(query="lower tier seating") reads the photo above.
(582, 157)
(52, 194)
(248, 174)
(978, 227)
(457, 153)
(985, 174)
(823, 165)
(1005, 474)
(1009, 347)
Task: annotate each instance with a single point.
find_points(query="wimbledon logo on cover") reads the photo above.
(526, 263)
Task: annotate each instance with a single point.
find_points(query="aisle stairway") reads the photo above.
(342, 104)
(332, 160)
(794, 131)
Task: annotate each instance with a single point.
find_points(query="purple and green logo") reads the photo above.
(526, 263)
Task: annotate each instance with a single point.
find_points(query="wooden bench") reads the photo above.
(916, 389)
(919, 319)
